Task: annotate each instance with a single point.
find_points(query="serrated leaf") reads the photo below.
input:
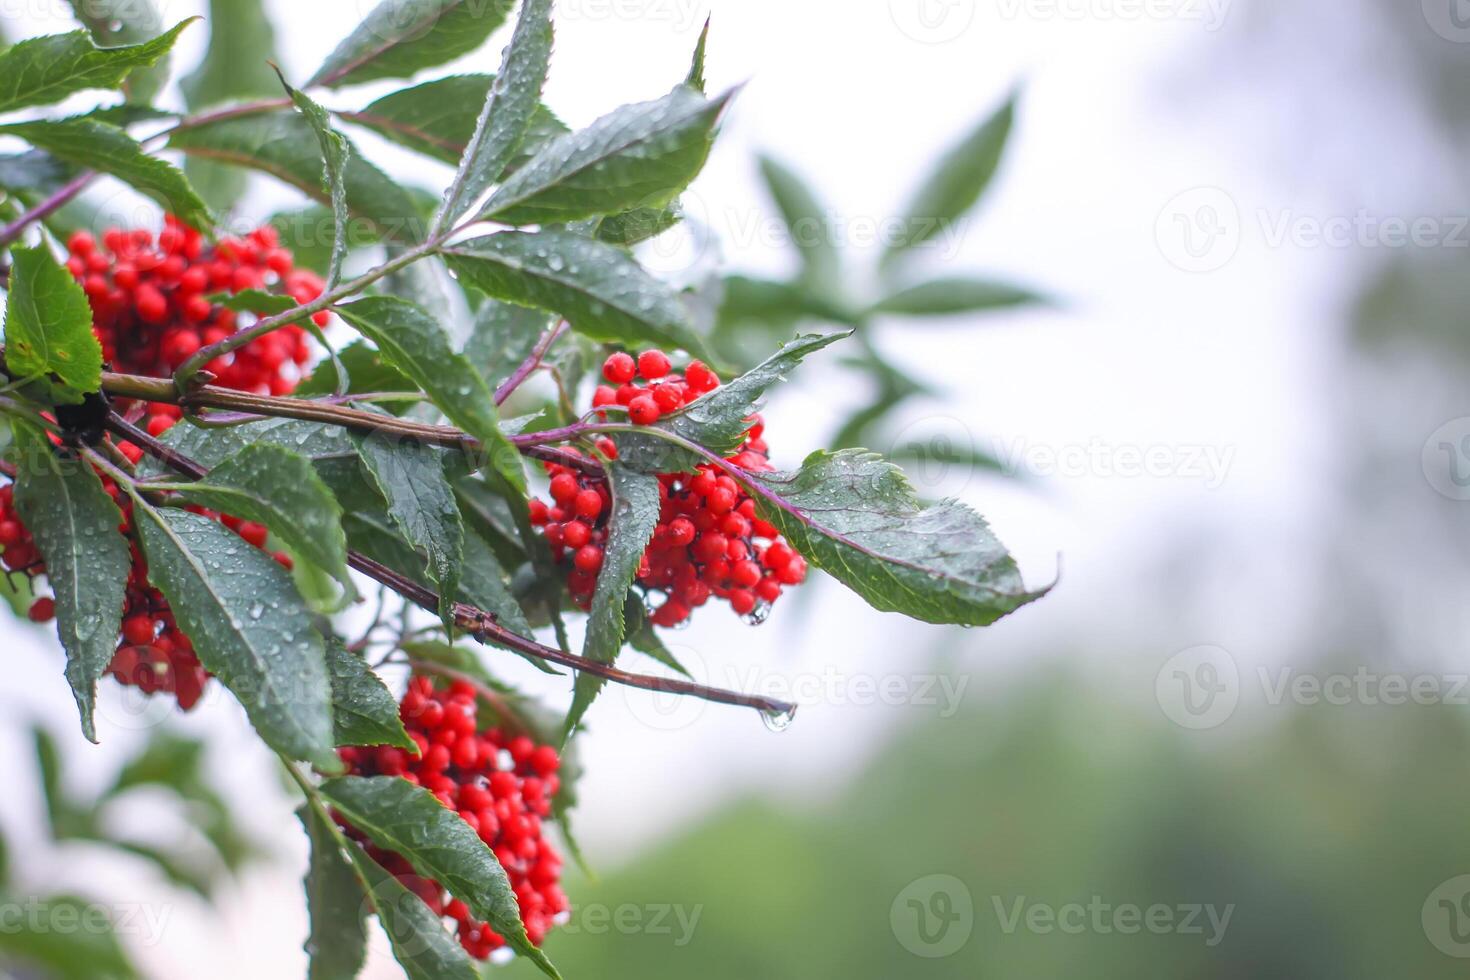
(44, 70)
(335, 903)
(695, 78)
(638, 156)
(75, 524)
(718, 420)
(600, 290)
(807, 223)
(48, 325)
(336, 153)
(956, 183)
(364, 711)
(119, 22)
(507, 112)
(401, 37)
(107, 148)
(855, 515)
(421, 945)
(953, 295)
(502, 337)
(249, 627)
(634, 515)
(273, 486)
(283, 145)
(411, 478)
(413, 342)
(408, 820)
(439, 117)
(212, 446)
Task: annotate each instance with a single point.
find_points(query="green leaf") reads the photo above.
(483, 585)
(307, 232)
(807, 223)
(957, 182)
(114, 23)
(335, 903)
(364, 711)
(34, 174)
(413, 342)
(284, 145)
(645, 639)
(421, 945)
(48, 325)
(950, 296)
(855, 515)
(634, 515)
(276, 487)
(212, 446)
(638, 156)
(366, 370)
(502, 337)
(66, 954)
(408, 820)
(249, 627)
(402, 37)
(336, 153)
(44, 70)
(111, 150)
(604, 293)
(639, 225)
(508, 111)
(695, 78)
(718, 420)
(439, 117)
(410, 476)
(75, 525)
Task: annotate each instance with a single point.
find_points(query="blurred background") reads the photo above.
(1230, 743)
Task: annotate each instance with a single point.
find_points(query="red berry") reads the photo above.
(653, 364)
(619, 368)
(588, 504)
(42, 610)
(588, 558)
(643, 410)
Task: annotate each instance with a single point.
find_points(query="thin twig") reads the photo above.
(58, 200)
(531, 363)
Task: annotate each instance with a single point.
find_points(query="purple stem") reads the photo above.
(46, 208)
(531, 363)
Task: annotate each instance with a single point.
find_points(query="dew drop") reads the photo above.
(758, 615)
(779, 721)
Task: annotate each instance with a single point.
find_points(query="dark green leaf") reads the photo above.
(212, 446)
(418, 346)
(855, 515)
(503, 336)
(807, 223)
(34, 174)
(114, 23)
(66, 954)
(420, 943)
(48, 325)
(639, 225)
(695, 79)
(638, 156)
(249, 627)
(408, 820)
(336, 152)
(957, 182)
(364, 711)
(605, 294)
(483, 585)
(508, 111)
(634, 515)
(111, 150)
(643, 637)
(44, 70)
(402, 37)
(366, 369)
(335, 903)
(75, 525)
(950, 296)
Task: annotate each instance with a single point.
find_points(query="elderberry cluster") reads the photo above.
(151, 311)
(499, 784)
(708, 541)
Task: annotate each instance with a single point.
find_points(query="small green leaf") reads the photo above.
(336, 152)
(645, 639)
(44, 70)
(276, 487)
(413, 342)
(249, 627)
(638, 156)
(48, 325)
(256, 301)
(75, 525)
(749, 300)
(639, 225)
(364, 711)
(365, 368)
(408, 820)
(604, 293)
(111, 150)
(402, 37)
(695, 78)
(634, 515)
(421, 945)
(957, 182)
(955, 295)
(855, 515)
(114, 23)
(335, 903)
(807, 223)
(508, 111)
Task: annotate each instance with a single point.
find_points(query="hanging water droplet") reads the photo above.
(758, 615)
(778, 721)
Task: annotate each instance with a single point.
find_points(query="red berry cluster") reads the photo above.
(502, 786)
(708, 541)
(151, 313)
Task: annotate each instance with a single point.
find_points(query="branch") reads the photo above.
(531, 363)
(46, 208)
